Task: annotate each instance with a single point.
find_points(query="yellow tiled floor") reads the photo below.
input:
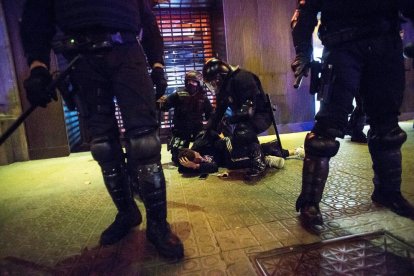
(53, 211)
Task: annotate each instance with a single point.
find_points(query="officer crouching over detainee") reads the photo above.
(113, 64)
(242, 92)
(363, 54)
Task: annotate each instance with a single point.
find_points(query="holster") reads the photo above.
(325, 86)
(315, 77)
(68, 92)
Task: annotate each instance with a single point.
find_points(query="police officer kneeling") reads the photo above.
(242, 92)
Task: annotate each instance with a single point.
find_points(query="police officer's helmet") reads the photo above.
(214, 67)
(215, 72)
(193, 76)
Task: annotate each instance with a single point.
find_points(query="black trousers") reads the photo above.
(372, 67)
(119, 73)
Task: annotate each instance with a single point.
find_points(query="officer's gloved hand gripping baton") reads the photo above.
(298, 81)
(51, 89)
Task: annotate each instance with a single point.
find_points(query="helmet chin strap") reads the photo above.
(211, 88)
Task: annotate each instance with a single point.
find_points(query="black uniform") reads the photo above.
(240, 88)
(113, 65)
(356, 123)
(363, 53)
(190, 110)
(242, 92)
(218, 152)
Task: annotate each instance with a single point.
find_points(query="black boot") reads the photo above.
(153, 191)
(166, 242)
(356, 125)
(258, 166)
(386, 158)
(395, 202)
(314, 175)
(128, 215)
(319, 150)
(359, 137)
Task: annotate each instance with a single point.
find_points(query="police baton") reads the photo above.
(272, 115)
(298, 81)
(50, 88)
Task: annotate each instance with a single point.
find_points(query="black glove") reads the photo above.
(301, 65)
(36, 85)
(158, 78)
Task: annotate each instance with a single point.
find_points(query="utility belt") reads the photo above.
(331, 39)
(75, 45)
(80, 43)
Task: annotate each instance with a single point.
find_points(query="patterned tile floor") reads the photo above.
(53, 211)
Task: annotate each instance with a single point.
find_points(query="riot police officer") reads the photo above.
(113, 64)
(242, 92)
(191, 108)
(363, 52)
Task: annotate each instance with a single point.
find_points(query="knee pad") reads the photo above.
(106, 151)
(392, 139)
(144, 149)
(317, 145)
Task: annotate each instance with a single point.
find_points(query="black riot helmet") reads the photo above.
(215, 71)
(193, 81)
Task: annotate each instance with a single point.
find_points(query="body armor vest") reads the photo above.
(188, 114)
